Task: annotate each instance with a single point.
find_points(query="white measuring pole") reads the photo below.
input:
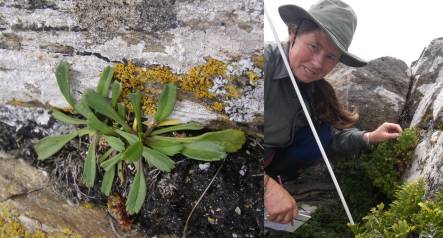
(308, 117)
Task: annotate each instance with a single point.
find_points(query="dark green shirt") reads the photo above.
(284, 114)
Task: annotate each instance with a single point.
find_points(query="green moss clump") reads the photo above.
(389, 160)
(409, 215)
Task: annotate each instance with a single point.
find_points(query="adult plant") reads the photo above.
(131, 140)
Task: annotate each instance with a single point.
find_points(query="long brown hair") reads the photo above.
(329, 109)
(326, 104)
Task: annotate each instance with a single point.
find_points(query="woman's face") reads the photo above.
(313, 55)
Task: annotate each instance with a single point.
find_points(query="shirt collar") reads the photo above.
(280, 68)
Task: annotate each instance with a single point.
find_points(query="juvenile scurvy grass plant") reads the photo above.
(106, 119)
(409, 215)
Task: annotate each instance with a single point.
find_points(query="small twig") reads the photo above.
(114, 230)
(198, 201)
(23, 193)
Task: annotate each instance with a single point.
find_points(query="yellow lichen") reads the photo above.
(10, 226)
(252, 76)
(232, 91)
(87, 205)
(161, 74)
(217, 106)
(259, 61)
(199, 78)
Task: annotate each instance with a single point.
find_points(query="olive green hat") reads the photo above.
(336, 18)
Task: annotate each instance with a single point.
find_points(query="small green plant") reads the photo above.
(409, 215)
(389, 160)
(106, 119)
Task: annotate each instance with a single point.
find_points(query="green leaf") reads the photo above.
(121, 110)
(67, 119)
(231, 139)
(204, 150)
(131, 138)
(106, 155)
(181, 127)
(89, 168)
(108, 180)
(116, 91)
(108, 164)
(82, 107)
(84, 131)
(50, 145)
(157, 159)
(62, 76)
(135, 99)
(166, 103)
(96, 124)
(115, 143)
(105, 81)
(169, 148)
(101, 105)
(137, 191)
(133, 152)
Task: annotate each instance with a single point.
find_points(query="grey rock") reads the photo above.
(378, 90)
(425, 73)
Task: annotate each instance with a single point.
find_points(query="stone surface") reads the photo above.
(28, 191)
(36, 36)
(428, 162)
(378, 90)
(425, 74)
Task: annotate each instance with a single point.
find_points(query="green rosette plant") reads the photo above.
(131, 142)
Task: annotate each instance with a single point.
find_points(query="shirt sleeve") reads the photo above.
(348, 140)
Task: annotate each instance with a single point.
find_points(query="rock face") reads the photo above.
(378, 90)
(36, 35)
(27, 191)
(426, 106)
(425, 77)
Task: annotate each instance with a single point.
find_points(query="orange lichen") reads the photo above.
(198, 81)
(199, 78)
(217, 106)
(161, 74)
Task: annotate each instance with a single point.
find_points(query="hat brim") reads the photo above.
(290, 13)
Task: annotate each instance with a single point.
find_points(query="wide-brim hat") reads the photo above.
(334, 17)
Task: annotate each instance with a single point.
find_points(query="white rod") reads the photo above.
(308, 117)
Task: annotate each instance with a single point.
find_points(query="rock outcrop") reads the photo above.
(378, 90)
(426, 108)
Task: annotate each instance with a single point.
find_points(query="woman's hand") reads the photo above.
(383, 132)
(279, 203)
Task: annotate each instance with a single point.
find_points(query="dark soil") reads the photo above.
(232, 207)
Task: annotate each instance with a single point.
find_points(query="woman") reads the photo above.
(318, 40)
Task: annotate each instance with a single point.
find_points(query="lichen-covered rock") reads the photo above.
(426, 110)
(423, 74)
(428, 162)
(178, 35)
(378, 91)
